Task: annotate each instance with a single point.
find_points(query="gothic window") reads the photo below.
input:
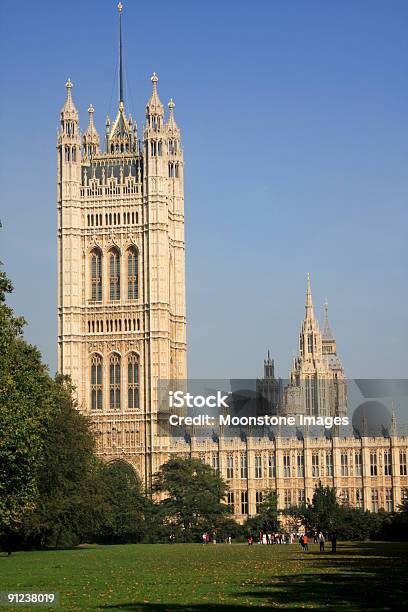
(359, 498)
(133, 382)
(387, 463)
(96, 276)
(230, 467)
(329, 464)
(230, 502)
(301, 497)
(271, 466)
(403, 463)
(300, 465)
(286, 465)
(114, 275)
(96, 382)
(176, 170)
(216, 463)
(344, 464)
(258, 466)
(310, 343)
(132, 270)
(388, 500)
(358, 464)
(345, 497)
(373, 463)
(374, 500)
(258, 500)
(315, 466)
(287, 498)
(114, 382)
(244, 502)
(244, 466)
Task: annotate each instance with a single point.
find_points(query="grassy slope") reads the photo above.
(220, 577)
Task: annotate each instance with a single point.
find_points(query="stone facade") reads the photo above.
(122, 324)
(121, 283)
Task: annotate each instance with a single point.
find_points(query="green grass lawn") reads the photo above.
(361, 576)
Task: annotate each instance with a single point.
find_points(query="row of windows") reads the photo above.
(113, 325)
(317, 469)
(70, 128)
(173, 170)
(297, 498)
(70, 153)
(115, 382)
(113, 219)
(114, 275)
(120, 148)
(156, 147)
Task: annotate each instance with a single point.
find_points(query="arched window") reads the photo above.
(133, 382)
(132, 271)
(114, 382)
(114, 275)
(96, 382)
(96, 276)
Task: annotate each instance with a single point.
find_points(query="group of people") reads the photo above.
(277, 538)
(291, 538)
(318, 538)
(206, 538)
(274, 538)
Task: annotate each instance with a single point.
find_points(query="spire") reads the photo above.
(171, 122)
(91, 136)
(327, 332)
(69, 106)
(121, 101)
(393, 424)
(154, 106)
(91, 126)
(309, 303)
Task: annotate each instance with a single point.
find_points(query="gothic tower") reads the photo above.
(317, 385)
(121, 280)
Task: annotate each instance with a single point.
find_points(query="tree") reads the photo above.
(69, 497)
(193, 493)
(126, 511)
(324, 512)
(25, 388)
(267, 518)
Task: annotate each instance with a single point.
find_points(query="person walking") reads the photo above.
(333, 542)
(321, 542)
(305, 543)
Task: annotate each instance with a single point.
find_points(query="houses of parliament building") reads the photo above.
(122, 326)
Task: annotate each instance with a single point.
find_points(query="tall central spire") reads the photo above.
(121, 101)
(309, 303)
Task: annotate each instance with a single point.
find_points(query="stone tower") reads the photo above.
(121, 279)
(317, 385)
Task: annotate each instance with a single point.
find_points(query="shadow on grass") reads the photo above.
(144, 607)
(360, 577)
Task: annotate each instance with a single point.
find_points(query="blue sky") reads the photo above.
(294, 126)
